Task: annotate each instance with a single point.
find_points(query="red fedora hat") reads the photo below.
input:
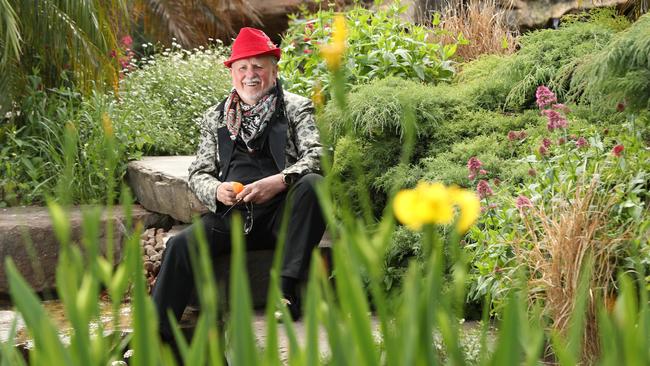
(251, 42)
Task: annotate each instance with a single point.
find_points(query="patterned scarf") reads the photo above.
(246, 121)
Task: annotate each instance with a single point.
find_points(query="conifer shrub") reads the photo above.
(376, 118)
(620, 72)
(549, 57)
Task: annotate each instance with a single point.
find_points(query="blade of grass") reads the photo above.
(244, 351)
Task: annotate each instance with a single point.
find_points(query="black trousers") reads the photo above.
(305, 228)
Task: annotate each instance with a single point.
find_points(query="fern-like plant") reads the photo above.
(620, 72)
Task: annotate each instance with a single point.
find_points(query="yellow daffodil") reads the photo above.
(405, 201)
(433, 203)
(333, 52)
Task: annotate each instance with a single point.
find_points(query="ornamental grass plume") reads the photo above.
(555, 248)
(434, 203)
(333, 52)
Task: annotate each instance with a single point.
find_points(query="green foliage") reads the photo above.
(50, 38)
(479, 83)
(375, 125)
(620, 72)
(621, 191)
(161, 102)
(32, 160)
(546, 57)
(157, 112)
(549, 57)
(380, 44)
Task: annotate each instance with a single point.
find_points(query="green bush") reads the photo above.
(32, 160)
(161, 101)
(546, 57)
(380, 44)
(376, 123)
(620, 72)
(481, 84)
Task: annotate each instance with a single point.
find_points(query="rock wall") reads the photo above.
(27, 236)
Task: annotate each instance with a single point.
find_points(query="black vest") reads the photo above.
(237, 164)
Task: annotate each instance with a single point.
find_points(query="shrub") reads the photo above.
(549, 57)
(161, 101)
(380, 44)
(620, 72)
(32, 161)
(481, 83)
(376, 122)
(586, 199)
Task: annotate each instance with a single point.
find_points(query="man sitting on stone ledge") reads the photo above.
(266, 139)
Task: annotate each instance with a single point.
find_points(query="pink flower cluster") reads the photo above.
(483, 186)
(554, 114)
(523, 202)
(474, 167)
(581, 142)
(544, 97)
(125, 62)
(517, 135)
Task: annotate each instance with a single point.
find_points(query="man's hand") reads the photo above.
(262, 190)
(226, 193)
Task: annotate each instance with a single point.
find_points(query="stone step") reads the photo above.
(27, 236)
(160, 184)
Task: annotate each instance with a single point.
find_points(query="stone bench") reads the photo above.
(160, 185)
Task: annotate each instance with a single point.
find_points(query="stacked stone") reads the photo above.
(154, 241)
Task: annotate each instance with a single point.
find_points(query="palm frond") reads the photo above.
(9, 30)
(59, 37)
(191, 22)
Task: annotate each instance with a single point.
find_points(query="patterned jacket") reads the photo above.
(293, 141)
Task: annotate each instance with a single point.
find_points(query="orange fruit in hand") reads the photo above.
(237, 187)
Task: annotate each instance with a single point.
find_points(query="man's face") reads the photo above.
(253, 77)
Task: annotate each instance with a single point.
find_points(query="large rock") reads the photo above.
(535, 13)
(523, 14)
(27, 236)
(160, 185)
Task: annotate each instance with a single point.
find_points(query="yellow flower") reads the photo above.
(333, 52)
(469, 205)
(433, 203)
(428, 203)
(405, 201)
